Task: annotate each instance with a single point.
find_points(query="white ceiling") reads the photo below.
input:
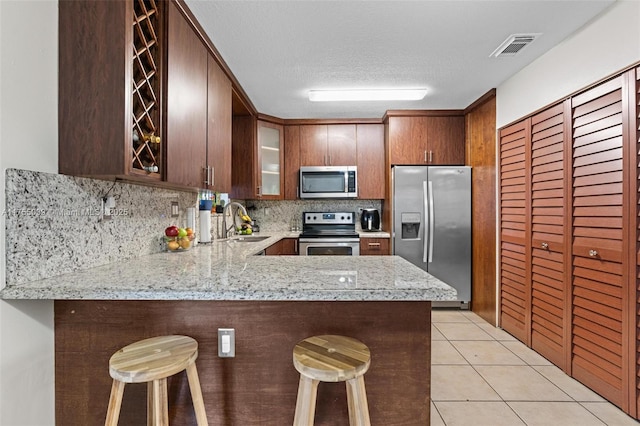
(278, 50)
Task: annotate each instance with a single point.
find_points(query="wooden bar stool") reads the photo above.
(331, 359)
(152, 361)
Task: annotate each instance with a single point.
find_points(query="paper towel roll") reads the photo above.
(191, 221)
(205, 226)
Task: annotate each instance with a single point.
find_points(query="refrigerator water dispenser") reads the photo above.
(410, 225)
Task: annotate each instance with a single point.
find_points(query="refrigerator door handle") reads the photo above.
(426, 218)
(432, 221)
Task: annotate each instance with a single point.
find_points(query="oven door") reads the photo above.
(329, 246)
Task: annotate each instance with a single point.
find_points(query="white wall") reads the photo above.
(609, 43)
(28, 140)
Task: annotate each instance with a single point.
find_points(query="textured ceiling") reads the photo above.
(278, 50)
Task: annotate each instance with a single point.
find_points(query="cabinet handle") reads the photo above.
(374, 244)
(430, 156)
(206, 175)
(212, 178)
(545, 246)
(258, 192)
(593, 253)
(425, 156)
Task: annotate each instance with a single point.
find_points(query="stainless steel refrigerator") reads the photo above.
(432, 223)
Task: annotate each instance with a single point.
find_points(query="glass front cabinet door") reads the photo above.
(270, 160)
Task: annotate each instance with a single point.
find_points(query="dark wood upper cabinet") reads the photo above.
(291, 161)
(429, 140)
(218, 128)
(341, 144)
(244, 161)
(257, 159)
(407, 140)
(445, 136)
(328, 145)
(187, 74)
(141, 98)
(349, 144)
(313, 145)
(110, 73)
(371, 164)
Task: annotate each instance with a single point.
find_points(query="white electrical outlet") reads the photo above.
(108, 203)
(226, 342)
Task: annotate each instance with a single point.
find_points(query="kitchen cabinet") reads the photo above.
(569, 236)
(429, 139)
(270, 160)
(110, 89)
(361, 144)
(257, 158)
(370, 161)
(187, 73)
(328, 145)
(159, 112)
(374, 246)
(291, 161)
(219, 110)
(284, 247)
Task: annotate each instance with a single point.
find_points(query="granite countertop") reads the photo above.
(228, 270)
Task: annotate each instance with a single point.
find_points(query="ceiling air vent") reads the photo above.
(513, 44)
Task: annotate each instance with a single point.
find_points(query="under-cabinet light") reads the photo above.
(367, 95)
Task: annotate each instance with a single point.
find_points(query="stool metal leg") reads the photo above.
(196, 395)
(306, 403)
(115, 402)
(357, 401)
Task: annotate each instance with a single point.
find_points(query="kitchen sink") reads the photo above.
(250, 239)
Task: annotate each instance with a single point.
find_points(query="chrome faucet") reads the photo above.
(225, 230)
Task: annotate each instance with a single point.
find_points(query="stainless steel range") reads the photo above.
(329, 234)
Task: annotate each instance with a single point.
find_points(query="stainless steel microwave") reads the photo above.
(328, 182)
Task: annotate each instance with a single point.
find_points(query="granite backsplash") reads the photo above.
(276, 216)
(53, 222)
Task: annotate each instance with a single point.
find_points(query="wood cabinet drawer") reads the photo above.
(374, 246)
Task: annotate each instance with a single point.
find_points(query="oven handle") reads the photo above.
(329, 240)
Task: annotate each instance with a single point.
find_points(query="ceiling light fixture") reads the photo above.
(367, 95)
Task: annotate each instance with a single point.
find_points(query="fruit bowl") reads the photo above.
(178, 244)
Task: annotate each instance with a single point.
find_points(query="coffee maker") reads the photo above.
(370, 220)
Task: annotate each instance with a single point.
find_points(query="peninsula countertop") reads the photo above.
(229, 270)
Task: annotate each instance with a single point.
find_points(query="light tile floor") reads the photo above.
(481, 375)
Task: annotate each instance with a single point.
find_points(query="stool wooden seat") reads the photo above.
(331, 359)
(152, 361)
